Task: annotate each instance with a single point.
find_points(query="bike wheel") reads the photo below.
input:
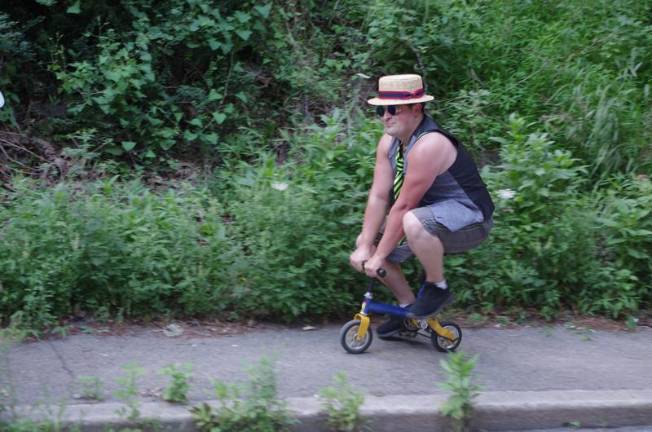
(349, 338)
(443, 344)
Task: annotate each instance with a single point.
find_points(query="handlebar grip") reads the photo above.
(381, 272)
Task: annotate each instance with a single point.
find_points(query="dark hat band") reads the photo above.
(400, 94)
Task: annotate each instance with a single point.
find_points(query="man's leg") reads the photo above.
(396, 282)
(429, 249)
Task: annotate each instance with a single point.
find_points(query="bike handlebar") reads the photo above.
(381, 272)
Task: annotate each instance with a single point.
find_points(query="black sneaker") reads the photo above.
(430, 301)
(391, 327)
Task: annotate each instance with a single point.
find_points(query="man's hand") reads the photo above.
(360, 255)
(373, 264)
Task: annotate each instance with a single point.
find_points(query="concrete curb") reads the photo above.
(550, 409)
(494, 411)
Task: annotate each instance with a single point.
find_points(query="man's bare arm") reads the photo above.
(378, 201)
(377, 205)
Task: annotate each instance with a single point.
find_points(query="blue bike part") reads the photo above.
(384, 309)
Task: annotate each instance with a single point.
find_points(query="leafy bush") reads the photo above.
(342, 404)
(253, 407)
(113, 248)
(125, 79)
(90, 388)
(179, 77)
(128, 392)
(177, 389)
(296, 225)
(252, 88)
(182, 76)
(120, 248)
(547, 249)
(577, 69)
(459, 406)
(12, 46)
(625, 234)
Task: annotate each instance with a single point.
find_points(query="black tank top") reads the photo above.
(461, 182)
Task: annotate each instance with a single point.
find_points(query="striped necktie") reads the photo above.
(398, 177)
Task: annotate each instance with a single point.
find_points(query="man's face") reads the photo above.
(399, 123)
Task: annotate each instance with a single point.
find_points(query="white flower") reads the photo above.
(279, 186)
(506, 194)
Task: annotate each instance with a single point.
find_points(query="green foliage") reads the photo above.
(13, 45)
(541, 241)
(342, 404)
(28, 426)
(90, 387)
(9, 336)
(121, 249)
(547, 61)
(128, 392)
(459, 406)
(115, 247)
(625, 240)
(547, 248)
(426, 37)
(252, 407)
(125, 80)
(181, 77)
(177, 390)
(267, 92)
(295, 223)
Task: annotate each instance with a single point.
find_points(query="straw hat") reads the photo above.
(400, 90)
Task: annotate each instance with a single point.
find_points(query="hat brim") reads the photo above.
(378, 101)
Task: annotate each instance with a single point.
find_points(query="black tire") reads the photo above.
(348, 338)
(444, 345)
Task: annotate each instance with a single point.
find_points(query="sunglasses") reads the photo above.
(391, 109)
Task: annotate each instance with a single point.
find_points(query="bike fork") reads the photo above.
(441, 331)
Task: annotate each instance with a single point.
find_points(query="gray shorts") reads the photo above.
(461, 240)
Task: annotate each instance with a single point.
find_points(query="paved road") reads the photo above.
(524, 359)
(624, 429)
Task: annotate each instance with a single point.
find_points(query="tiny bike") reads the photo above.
(356, 335)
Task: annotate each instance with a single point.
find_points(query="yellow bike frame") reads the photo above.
(364, 324)
(365, 321)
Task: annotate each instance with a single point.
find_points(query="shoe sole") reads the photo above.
(392, 334)
(409, 336)
(448, 301)
(388, 335)
(401, 335)
(392, 337)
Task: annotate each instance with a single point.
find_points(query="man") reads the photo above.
(427, 189)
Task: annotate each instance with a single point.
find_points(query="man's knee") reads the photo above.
(412, 226)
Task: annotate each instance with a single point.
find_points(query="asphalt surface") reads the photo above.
(551, 361)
